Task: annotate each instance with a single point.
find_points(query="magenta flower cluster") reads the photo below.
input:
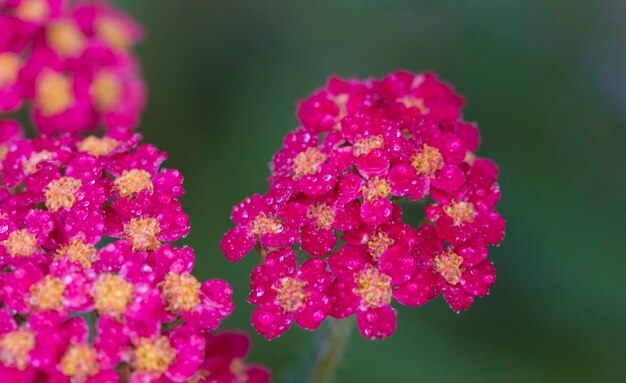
(330, 231)
(72, 62)
(61, 199)
(91, 287)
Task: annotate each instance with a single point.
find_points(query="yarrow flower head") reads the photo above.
(72, 63)
(91, 287)
(152, 318)
(338, 190)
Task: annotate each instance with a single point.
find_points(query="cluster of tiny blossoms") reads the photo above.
(91, 287)
(71, 61)
(329, 230)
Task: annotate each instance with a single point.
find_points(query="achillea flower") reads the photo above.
(176, 355)
(61, 197)
(258, 220)
(325, 109)
(363, 149)
(469, 214)
(224, 360)
(33, 12)
(361, 288)
(11, 93)
(36, 345)
(201, 305)
(73, 62)
(282, 292)
(85, 219)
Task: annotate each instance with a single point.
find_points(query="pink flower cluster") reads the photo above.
(72, 61)
(329, 230)
(84, 229)
(91, 287)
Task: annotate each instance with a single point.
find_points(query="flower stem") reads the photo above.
(331, 351)
(169, 326)
(261, 252)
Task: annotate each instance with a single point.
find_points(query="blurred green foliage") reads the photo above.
(545, 79)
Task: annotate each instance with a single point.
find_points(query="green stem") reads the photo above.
(331, 351)
(261, 252)
(92, 322)
(169, 326)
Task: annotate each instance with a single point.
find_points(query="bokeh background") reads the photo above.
(545, 80)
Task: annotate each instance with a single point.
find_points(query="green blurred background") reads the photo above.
(545, 80)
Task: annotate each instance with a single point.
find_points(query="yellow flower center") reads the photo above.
(80, 362)
(79, 251)
(308, 162)
(427, 161)
(132, 182)
(410, 101)
(448, 264)
(290, 294)
(65, 38)
(97, 146)
(378, 243)
(324, 215)
(47, 294)
(470, 158)
(106, 90)
(376, 187)
(366, 145)
(460, 212)
(9, 68)
(153, 356)
(142, 233)
(200, 375)
(20, 243)
(54, 93)
(265, 224)
(4, 150)
(30, 165)
(113, 33)
(111, 294)
(373, 287)
(33, 10)
(341, 100)
(61, 193)
(15, 347)
(237, 368)
(180, 292)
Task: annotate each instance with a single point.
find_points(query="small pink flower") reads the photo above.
(33, 11)
(22, 240)
(423, 285)
(319, 218)
(259, 220)
(224, 360)
(361, 288)
(11, 91)
(469, 213)
(118, 95)
(324, 110)
(461, 284)
(283, 292)
(421, 95)
(61, 102)
(175, 355)
(26, 159)
(201, 305)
